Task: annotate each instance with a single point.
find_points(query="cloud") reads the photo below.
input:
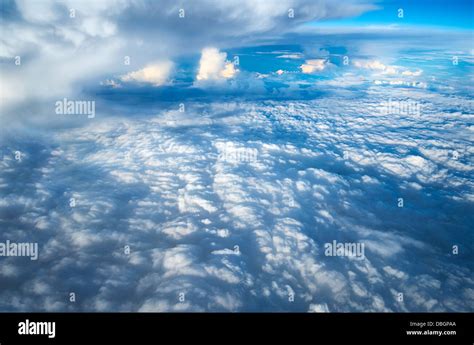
(416, 73)
(234, 232)
(56, 47)
(314, 65)
(112, 83)
(228, 202)
(370, 64)
(377, 66)
(294, 56)
(404, 83)
(213, 66)
(345, 80)
(156, 74)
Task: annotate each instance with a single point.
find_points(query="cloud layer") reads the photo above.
(227, 207)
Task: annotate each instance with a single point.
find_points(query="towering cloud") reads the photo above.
(215, 66)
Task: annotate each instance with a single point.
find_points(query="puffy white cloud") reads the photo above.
(314, 65)
(214, 66)
(156, 74)
(370, 64)
(377, 66)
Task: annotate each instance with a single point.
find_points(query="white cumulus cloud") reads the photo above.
(314, 65)
(156, 74)
(215, 66)
(379, 67)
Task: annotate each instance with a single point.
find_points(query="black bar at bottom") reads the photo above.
(237, 328)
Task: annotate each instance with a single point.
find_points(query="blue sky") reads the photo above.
(436, 13)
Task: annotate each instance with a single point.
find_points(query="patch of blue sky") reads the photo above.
(456, 14)
(267, 58)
